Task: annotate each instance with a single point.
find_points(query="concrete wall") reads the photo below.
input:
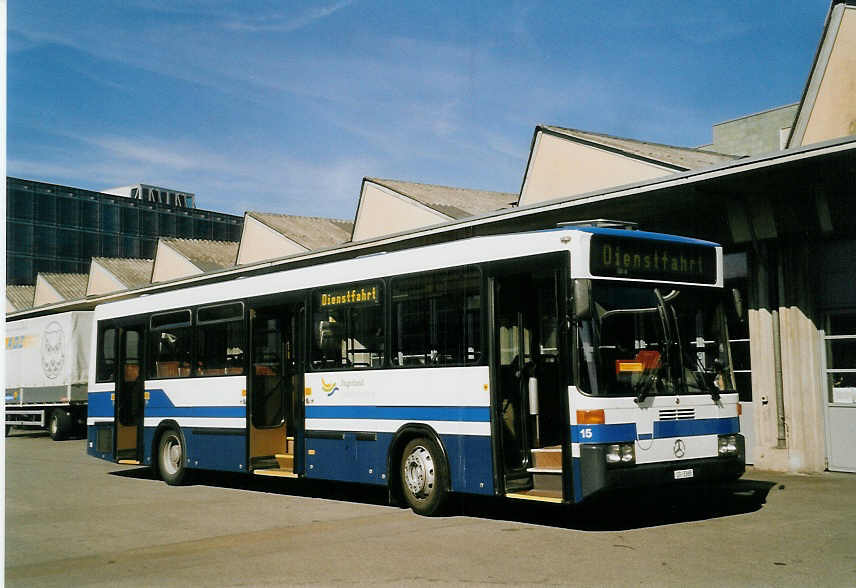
(383, 212)
(834, 112)
(560, 167)
(260, 242)
(754, 134)
(170, 264)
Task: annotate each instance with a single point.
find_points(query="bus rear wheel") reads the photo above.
(172, 458)
(424, 476)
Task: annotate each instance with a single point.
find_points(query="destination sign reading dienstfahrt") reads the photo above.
(644, 259)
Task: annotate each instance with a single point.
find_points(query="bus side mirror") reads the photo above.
(737, 300)
(582, 299)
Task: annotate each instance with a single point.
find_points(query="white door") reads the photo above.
(840, 377)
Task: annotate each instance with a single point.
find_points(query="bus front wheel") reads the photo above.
(424, 476)
(171, 458)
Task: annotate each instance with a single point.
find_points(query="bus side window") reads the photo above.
(105, 368)
(170, 337)
(220, 340)
(348, 330)
(436, 318)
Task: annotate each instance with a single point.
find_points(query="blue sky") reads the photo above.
(286, 106)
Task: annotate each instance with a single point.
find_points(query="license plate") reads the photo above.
(682, 474)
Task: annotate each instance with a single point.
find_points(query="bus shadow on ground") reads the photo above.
(302, 487)
(29, 434)
(646, 507)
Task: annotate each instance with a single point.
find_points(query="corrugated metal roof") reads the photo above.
(69, 286)
(456, 203)
(682, 158)
(206, 255)
(131, 272)
(309, 231)
(21, 297)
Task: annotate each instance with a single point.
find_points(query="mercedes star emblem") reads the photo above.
(680, 448)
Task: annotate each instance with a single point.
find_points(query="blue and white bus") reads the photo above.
(550, 365)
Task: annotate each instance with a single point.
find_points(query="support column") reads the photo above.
(762, 351)
(801, 361)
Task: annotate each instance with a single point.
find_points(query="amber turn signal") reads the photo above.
(591, 417)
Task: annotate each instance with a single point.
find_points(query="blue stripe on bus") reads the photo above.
(160, 405)
(472, 414)
(696, 427)
(603, 433)
(622, 432)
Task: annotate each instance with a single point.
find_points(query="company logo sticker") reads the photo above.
(53, 350)
(330, 388)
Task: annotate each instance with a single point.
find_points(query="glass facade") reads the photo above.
(51, 228)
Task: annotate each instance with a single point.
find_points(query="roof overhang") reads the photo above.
(692, 203)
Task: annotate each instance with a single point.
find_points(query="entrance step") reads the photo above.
(548, 457)
(275, 472)
(540, 495)
(285, 461)
(129, 461)
(518, 483)
(546, 479)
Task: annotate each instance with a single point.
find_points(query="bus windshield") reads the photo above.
(644, 341)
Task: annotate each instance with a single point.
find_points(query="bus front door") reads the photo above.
(273, 383)
(130, 390)
(529, 412)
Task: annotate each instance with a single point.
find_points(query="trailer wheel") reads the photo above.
(8, 430)
(59, 424)
(171, 458)
(424, 479)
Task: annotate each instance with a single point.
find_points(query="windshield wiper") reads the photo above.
(642, 388)
(701, 382)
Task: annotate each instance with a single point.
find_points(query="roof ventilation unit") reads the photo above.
(601, 223)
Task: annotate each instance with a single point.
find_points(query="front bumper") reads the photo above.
(596, 477)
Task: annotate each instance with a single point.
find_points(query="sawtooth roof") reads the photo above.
(69, 286)
(206, 255)
(21, 297)
(680, 158)
(456, 203)
(309, 231)
(133, 273)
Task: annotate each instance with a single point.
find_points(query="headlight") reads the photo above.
(613, 454)
(727, 444)
(622, 453)
(628, 454)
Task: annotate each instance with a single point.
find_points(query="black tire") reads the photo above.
(424, 476)
(172, 458)
(59, 424)
(8, 430)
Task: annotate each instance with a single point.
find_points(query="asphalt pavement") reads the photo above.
(72, 520)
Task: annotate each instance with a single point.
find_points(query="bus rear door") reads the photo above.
(275, 389)
(130, 391)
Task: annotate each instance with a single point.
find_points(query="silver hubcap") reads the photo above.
(419, 472)
(171, 455)
(54, 424)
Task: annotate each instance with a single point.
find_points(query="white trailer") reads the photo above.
(47, 369)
